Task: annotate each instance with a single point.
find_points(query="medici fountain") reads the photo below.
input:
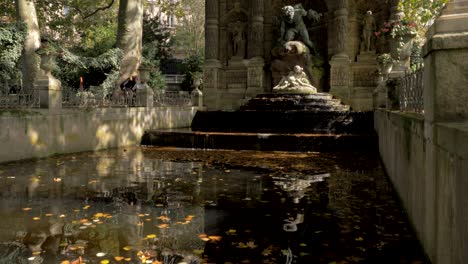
(271, 95)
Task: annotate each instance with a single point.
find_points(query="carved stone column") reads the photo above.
(212, 30)
(212, 68)
(255, 72)
(340, 64)
(257, 33)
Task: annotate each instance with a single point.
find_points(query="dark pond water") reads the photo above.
(149, 205)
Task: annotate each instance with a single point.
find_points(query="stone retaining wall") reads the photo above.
(427, 164)
(28, 134)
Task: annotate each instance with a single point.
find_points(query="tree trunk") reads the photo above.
(26, 12)
(129, 36)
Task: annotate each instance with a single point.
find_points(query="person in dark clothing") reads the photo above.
(129, 84)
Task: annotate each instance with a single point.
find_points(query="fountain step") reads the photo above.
(291, 121)
(290, 106)
(260, 141)
(282, 102)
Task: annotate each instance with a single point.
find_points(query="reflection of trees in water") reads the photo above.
(123, 186)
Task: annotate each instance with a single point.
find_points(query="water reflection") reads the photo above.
(138, 206)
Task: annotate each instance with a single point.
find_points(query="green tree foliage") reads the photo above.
(96, 71)
(421, 12)
(156, 49)
(191, 66)
(190, 30)
(12, 36)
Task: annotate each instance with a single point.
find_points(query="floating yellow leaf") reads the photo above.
(128, 259)
(303, 245)
(49, 215)
(359, 239)
(163, 226)
(127, 248)
(189, 218)
(36, 253)
(36, 218)
(27, 209)
(266, 252)
(86, 207)
(65, 262)
(99, 215)
(151, 236)
(205, 239)
(198, 251)
(105, 261)
(164, 218)
(215, 238)
(118, 258)
(62, 216)
(76, 210)
(202, 235)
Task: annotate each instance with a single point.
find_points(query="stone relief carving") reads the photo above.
(339, 76)
(209, 78)
(255, 76)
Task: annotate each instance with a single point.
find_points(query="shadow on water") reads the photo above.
(155, 205)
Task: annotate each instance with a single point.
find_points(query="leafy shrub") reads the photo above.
(12, 36)
(191, 65)
(101, 71)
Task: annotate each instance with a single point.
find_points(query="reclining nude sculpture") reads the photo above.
(295, 82)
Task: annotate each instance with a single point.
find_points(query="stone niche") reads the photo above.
(241, 36)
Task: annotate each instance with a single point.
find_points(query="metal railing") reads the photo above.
(174, 78)
(172, 98)
(72, 99)
(410, 91)
(19, 100)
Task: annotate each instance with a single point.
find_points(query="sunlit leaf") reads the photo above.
(127, 248)
(198, 251)
(150, 236)
(163, 226)
(303, 245)
(118, 258)
(36, 218)
(266, 252)
(215, 238)
(27, 209)
(164, 218)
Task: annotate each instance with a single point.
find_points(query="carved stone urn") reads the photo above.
(47, 63)
(401, 47)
